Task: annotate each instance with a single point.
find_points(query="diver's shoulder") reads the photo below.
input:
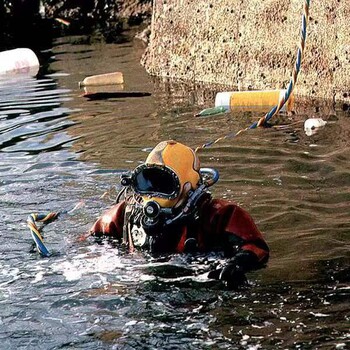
(218, 203)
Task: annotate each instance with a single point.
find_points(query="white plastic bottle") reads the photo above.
(19, 61)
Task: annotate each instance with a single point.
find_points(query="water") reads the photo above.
(59, 148)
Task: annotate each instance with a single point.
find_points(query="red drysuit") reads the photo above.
(221, 226)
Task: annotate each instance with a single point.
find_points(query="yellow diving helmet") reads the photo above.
(170, 171)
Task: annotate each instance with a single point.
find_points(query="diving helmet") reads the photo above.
(170, 171)
(170, 185)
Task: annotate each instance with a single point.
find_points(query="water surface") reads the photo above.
(59, 148)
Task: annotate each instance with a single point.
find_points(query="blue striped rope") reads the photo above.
(45, 219)
(263, 120)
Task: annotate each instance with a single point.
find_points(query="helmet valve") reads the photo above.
(152, 210)
(125, 180)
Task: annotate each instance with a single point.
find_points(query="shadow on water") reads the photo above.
(58, 148)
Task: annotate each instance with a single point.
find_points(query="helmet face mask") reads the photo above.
(170, 171)
(155, 181)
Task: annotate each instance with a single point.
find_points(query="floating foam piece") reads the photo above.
(103, 79)
(311, 125)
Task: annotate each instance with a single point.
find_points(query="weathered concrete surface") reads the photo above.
(252, 43)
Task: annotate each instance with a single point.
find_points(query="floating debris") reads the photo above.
(311, 125)
(252, 100)
(211, 111)
(103, 79)
(19, 61)
(62, 21)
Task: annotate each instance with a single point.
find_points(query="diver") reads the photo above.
(165, 207)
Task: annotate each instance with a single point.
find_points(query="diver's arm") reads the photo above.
(253, 252)
(111, 222)
(242, 240)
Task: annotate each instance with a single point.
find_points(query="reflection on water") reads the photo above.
(58, 148)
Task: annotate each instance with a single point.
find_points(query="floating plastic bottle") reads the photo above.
(93, 89)
(103, 79)
(252, 100)
(211, 111)
(19, 61)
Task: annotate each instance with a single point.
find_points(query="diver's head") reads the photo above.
(169, 185)
(169, 173)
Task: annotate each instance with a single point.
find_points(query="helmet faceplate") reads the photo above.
(175, 167)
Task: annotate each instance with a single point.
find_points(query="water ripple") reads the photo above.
(57, 149)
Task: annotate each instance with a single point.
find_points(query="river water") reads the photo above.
(59, 148)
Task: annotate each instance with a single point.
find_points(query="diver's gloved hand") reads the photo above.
(233, 272)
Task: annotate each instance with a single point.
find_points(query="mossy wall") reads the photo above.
(252, 44)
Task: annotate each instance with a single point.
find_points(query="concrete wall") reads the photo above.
(252, 43)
